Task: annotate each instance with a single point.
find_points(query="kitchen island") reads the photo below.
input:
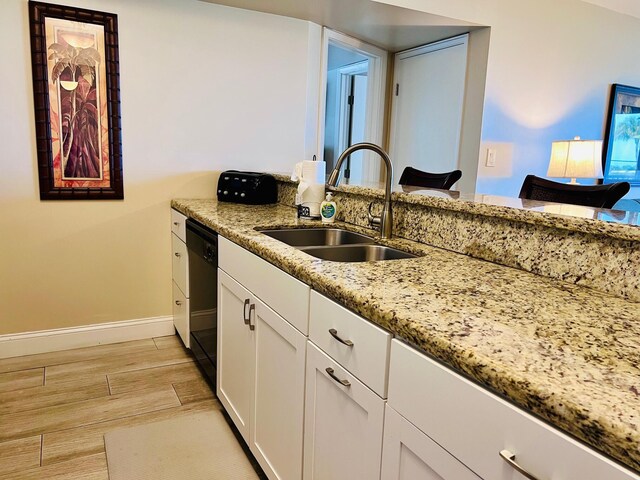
(568, 354)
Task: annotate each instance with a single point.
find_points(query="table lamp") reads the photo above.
(576, 159)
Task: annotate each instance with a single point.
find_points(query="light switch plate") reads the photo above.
(491, 157)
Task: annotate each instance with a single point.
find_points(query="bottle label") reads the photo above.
(328, 210)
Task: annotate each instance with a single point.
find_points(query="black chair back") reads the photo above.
(418, 178)
(598, 196)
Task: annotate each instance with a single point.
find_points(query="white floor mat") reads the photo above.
(194, 447)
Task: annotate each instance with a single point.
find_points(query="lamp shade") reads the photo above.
(576, 159)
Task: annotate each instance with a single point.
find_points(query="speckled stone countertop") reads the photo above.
(566, 353)
(614, 223)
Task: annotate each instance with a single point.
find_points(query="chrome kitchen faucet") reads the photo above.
(385, 220)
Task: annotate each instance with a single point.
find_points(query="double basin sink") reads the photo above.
(336, 245)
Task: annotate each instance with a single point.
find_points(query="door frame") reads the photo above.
(343, 122)
(377, 73)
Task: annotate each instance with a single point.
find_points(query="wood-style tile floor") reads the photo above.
(56, 407)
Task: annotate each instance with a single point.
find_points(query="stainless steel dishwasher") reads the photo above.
(202, 244)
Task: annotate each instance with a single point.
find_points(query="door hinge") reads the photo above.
(350, 100)
(397, 89)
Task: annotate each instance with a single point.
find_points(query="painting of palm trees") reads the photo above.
(74, 55)
(74, 70)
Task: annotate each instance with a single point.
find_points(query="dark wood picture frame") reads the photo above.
(91, 130)
(622, 137)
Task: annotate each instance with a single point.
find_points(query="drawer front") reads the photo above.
(280, 291)
(180, 264)
(366, 356)
(178, 224)
(181, 315)
(475, 425)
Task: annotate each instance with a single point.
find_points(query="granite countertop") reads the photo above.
(566, 353)
(620, 224)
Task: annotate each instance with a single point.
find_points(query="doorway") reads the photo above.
(352, 103)
(428, 96)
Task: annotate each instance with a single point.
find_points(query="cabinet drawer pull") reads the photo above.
(176, 223)
(177, 254)
(510, 458)
(344, 383)
(178, 302)
(334, 334)
(244, 311)
(252, 308)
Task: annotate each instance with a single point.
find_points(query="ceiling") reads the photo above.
(628, 7)
(388, 27)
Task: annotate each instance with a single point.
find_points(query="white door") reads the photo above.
(235, 369)
(343, 423)
(276, 436)
(409, 454)
(428, 95)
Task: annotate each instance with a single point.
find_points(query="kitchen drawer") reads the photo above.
(284, 294)
(181, 315)
(475, 425)
(180, 264)
(179, 225)
(368, 355)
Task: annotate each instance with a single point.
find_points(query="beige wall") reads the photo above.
(550, 66)
(203, 88)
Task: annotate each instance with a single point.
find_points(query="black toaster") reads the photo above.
(251, 188)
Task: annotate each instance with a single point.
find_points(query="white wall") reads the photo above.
(550, 67)
(201, 90)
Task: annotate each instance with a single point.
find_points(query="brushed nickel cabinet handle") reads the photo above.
(510, 458)
(178, 302)
(334, 334)
(244, 311)
(252, 308)
(344, 383)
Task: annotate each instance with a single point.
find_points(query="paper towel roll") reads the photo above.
(310, 193)
(309, 172)
(312, 198)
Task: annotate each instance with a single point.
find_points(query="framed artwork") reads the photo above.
(621, 161)
(74, 55)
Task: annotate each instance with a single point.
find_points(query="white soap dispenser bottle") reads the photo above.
(328, 209)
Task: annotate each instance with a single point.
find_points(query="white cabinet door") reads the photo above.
(409, 454)
(343, 423)
(236, 353)
(276, 435)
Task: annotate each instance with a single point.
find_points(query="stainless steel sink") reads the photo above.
(305, 237)
(357, 253)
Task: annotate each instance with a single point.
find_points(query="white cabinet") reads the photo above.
(476, 426)
(409, 454)
(357, 344)
(287, 296)
(277, 433)
(236, 353)
(260, 378)
(180, 276)
(343, 423)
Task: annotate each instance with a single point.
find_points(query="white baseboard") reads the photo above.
(29, 343)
